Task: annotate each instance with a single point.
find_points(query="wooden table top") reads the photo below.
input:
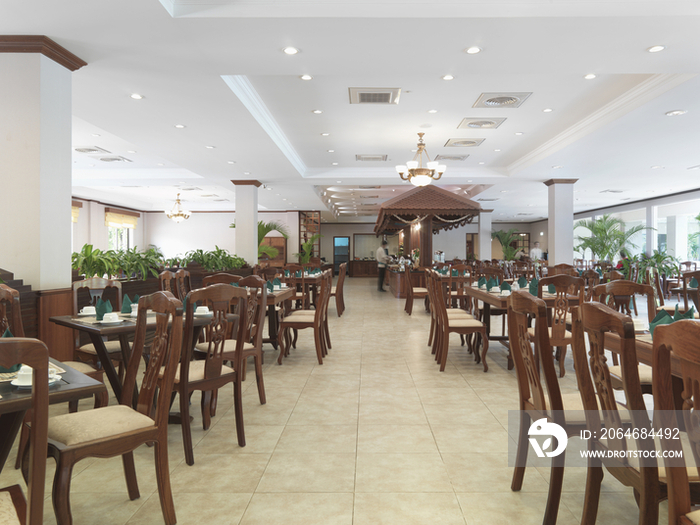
(127, 325)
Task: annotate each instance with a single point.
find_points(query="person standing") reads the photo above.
(382, 260)
(536, 252)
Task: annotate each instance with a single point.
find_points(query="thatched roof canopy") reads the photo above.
(446, 209)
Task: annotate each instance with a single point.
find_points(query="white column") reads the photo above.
(560, 242)
(677, 236)
(247, 220)
(652, 239)
(485, 235)
(293, 241)
(35, 168)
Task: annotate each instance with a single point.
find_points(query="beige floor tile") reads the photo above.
(318, 412)
(407, 509)
(617, 508)
(409, 412)
(219, 473)
(401, 473)
(463, 439)
(310, 472)
(195, 509)
(105, 509)
(488, 473)
(260, 439)
(299, 509)
(506, 508)
(406, 439)
(310, 439)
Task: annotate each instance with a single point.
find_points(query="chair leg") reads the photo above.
(594, 478)
(443, 351)
(132, 485)
(318, 342)
(61, 492)
(259, 379)
(556, 481)
(296, 334)
(163, 478)
(206, 409)
(327, 334)
(214, 403)
(238, 411)
(23, 439)
(521, 454)
(281, 337)
(432, 331)
(562, 360)
(409, 306)
(186, 430)
(485, 344)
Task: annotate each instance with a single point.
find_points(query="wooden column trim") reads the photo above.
(255, 183)
(551, 182)
(43, 45)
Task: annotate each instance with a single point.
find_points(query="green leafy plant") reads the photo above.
(607, 237)
(507, 239)
(263, 229)
(91, 261)
(307, 249)
(138, 264)
(214, 261)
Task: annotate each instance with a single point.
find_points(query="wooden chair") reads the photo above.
(654, 280)
(182, 284)
(15, 350)
(440, 290)
(538, 391)
(337, 290)
(602, 412)
(562, 269)
(613, 275)
(209, 373)
(591, 279)
(220, 278)
(497, 274)
(688, 292)
(301, 293)
(119, 429)
(413, 292)
(315, 319)
(166, 281)
(565, 286)
(11, 318)
(270, 272)
(85, 293)
(678, 341)
(457, 284)
(460, 323)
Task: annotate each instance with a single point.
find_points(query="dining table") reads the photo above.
(311, 284)
(274, 299)
(15, 401)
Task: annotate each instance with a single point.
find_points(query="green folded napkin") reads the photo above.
(298, 274)
(102, 308)
(490, 284)
(693, 283)
(276, 282)
(505, 286)
(286, 273)
(126, 305)
(690, 314)
(600, 272)
(455, 273)
(663, 317)
(533, 286)
(135, 300)
(270, 286)
(580, 272)
(13, 368)
(522, 282)
(552, 289)
(482, 282)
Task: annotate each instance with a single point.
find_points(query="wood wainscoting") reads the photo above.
(58, 339)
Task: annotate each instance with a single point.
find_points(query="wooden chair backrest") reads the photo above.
(10, 311)
(32, 352)
(224, 325)
(490, 272)
(220, 278)
(591, 278)
(343, 270)
(106, 289)
(257, 308)
(688, 266)
(686, 277)
(594, 382)
(613, 275)
(166, 280)
(617, 295)
(165, 351)
(270, 272)
(677, 341)
(654, 280)
(182, 284)
(522, 307)
(565, 286)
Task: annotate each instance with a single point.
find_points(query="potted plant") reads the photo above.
(263, 229)
(91, 261)
(506, 240)
(307, 249)
(607, 237)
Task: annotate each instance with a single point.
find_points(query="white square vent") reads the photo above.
(480, 123)
(501, 100)
(451, 157)
(92, 149)
(374, 95)
(371, 158)
(463, 143)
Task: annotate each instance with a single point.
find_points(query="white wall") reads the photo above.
(330, 230)
(91, 228)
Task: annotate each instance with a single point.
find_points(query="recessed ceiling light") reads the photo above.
(179, 126)
(557, 167)
(393, 190)
(518, 133)
(277, 194)
(268, 188)
(325, 134)
(448, 77)
(284, 199)
(472, 50)
(504, 191)
(657, 167)
(210, 147)
(339, 181)
(547, 110)
(469, 180)
(231, 161)
(589, 76)
(246, 173)
(306, 77)
(432, 111)
(136, 96)
(335, 164)
(676, 112)
(497, 150)
(131, 151)
(161, 164)
(290, 50)
(656, 49)
(413, 150)
(331, 151)
(317, 111)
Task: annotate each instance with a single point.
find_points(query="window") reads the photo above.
(120, 224)
(118, 238)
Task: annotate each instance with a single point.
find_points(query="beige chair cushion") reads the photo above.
(458, 313)
(419, 290)
(8, 513)
(567, 335)
(644, 373)
(100, 423)
(197, 371)
(694, 517)
(333, 290)
(464, 323)
(81, 367)
(113, 347)
(229, 346)
(301, 313)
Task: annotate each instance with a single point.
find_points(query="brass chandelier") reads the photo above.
(415, 172)
(178, 213)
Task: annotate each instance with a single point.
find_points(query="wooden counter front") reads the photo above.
(363, 269)
(397, 278)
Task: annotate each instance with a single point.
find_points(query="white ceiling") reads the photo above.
(218, 68)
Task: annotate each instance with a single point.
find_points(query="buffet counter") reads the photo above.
(397, 279)
(368, 268)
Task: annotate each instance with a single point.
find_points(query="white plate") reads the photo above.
(81, 314)
(208, 314)
(52, 381)
(111, 323)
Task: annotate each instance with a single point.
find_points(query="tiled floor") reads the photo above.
(376, 435)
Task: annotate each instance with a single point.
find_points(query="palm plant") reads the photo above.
(263, 229)
(307, 249)
(507, 239)
(608, 237)
(91, 261)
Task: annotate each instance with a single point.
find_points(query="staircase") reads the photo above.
(27, 299)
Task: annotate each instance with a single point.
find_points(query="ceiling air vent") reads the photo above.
(92, 149)
(371, 158)
(374, 95)
(487, 200)
(480, 123)
(525, 213)
(463, 143)
(611, 191)
(501, 100)
(209, 196)
(451, 157)
(369, 187)
(369, 196)
(190, 188)
(114, 159)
